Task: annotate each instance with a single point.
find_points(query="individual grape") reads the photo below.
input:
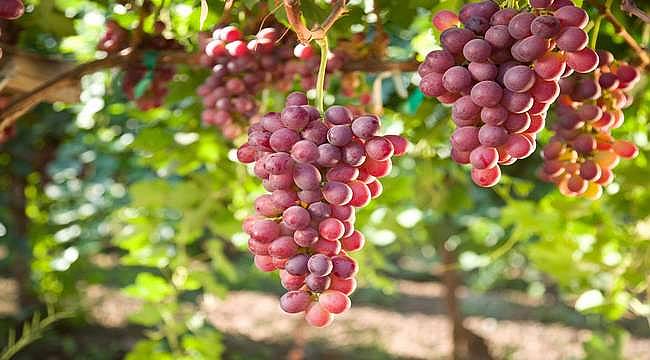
(315, 132)
(326, 247)
(295, 117)
(354, 154)
(379, 148)
(339, 135)
(457, 79)
(319, 265)
(589, 170)
(296, 217)
(519, 146)
(460, 157)
(486, 177)
(284, 198)
(305, 237)
(334, 301)
(545, 26)
(486, 94)
(483, 157)
(342, 173)
(295, 99)
(304, 151)
(306, 176)
(477, 50)
(492, 136)
(278, 163)
(465, 138)
(337, 193)
(295, 301)
(317, 316)
(582, 61)
(445, 19)
(478, 71)
(625, 149)
(283, 247)
(265, 230)
(338, 115)
(550, 66)
(328, 155)
(360, 194)
(541, 4)
(498, 37)
(572, 39)
(519, 78)
(503, 16)
(377, 168)
(353, 242)
(281, 140)
(545, 91)
(11, 9)
(331, 229)
(264, 263)
(437, 61)
(291, 282)
(516, 102)
(517, 123)
(297, 265)
(465, 112)
(529, 48)
(454, 39)
(519, 25)
(572, 16)
(343, 266)
(316, 283)
(375, 188)
(495, 116)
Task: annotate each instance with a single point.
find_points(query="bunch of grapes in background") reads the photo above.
(580, 156)
(316, 172)
(240, 70)
(11, 10)
(117, 39)
(500, 72)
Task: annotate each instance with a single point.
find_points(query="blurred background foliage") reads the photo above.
(100, 193)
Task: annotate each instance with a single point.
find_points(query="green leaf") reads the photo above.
(149, 287)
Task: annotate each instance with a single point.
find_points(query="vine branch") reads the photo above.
(620, 30)
(294, 15)
(630, 7)
(26, 102)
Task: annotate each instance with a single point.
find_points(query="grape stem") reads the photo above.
(629, 7)
(620, 30)
(320, 82)
(595, 31)
(294, 15)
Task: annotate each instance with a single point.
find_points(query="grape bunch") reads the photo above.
(240, 70)
(11, 10)
(500, 73)
(580, 156)
(117, 39)
(316, 172)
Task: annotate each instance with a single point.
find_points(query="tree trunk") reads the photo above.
(466, 344)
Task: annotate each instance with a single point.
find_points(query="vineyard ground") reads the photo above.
(414, 327)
